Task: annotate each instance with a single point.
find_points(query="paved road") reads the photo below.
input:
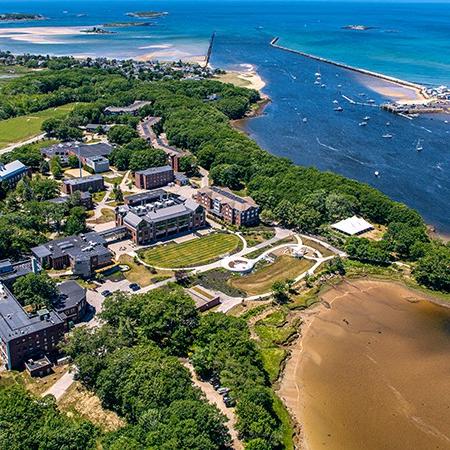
(61, 386)
(19, 144)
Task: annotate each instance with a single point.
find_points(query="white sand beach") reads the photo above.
(40, 35)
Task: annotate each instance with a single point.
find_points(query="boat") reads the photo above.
(419, 146)
(339, 108)
(304, 120)
(388, 124)
(371, 101)
(362, 124)
(318, 74)
(323, 85)
(376, 173)
(317, 82)
(366, 118)
(387, 136)
(335, 102)
(339, 86)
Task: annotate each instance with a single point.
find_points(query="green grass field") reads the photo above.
(192, 253)
(21, 128)
(284, 268)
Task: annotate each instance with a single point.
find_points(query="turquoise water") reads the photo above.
(410, 41)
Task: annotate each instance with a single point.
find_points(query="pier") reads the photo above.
(210, 47)
(420, 88)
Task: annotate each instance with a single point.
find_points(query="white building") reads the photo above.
(352, 226)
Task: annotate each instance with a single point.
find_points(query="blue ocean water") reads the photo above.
(409, 41)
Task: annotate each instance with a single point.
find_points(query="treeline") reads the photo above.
(29, 423)
(132, 363)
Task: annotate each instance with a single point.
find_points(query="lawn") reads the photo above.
(192, 253)
(260, 282)
(20, 128)
(315, 245)
(107, 215)
(138, 273)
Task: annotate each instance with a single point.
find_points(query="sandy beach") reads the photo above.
(248, 78)
(40, 35)
(371, 370)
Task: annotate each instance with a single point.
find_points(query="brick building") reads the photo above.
(154, 177)
(93, 183)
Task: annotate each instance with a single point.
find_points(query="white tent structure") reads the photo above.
(352, 226)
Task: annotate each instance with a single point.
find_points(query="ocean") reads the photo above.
(409, 41)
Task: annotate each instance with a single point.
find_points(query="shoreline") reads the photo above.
(289, 384)
(413, 93)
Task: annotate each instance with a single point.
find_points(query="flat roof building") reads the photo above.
(71, 302)
(11, 271)
(83, 253)
(85, 199)
(352, 226)
(154, 177)
(12, 172)
(159, 216)
(93, 183)
(78, 149)
(229, 207)
(98, 163)
(26, 336)
(132, 109)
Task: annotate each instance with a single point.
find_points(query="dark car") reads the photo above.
(134, 287)
(229, 402)
(106, 293)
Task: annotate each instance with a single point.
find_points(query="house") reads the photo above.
(25, 336)
(132, 109)
(12, 172)
(93, 183)
(154, 177)
(71, 302)
(97, 127)
(11, 271)
(160, 217)
(83, 254)
(85, 199)
(97, 163)
(227, 206)
(352, 226)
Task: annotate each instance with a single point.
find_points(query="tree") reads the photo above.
(76, 222)
(55, 167)
(181, 276)
(122, 134)
(144, 159)
(339, 206)
(228, 175)
(117, 192)
(433, 269)
(73, 161)
(120, 158)
(38, 290)
(280, 291)
(188, 164)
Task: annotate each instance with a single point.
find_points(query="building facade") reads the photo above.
(154, 177)
(12, 172)
(98, 163)
(93, 183)
(229, 207)
(161, 217)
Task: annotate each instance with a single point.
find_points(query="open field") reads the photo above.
(78, 401)
(141, 274)
(260, 282)
(195, 252)
(20, 128)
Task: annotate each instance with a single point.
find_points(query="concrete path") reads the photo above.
(11, 147)
(216, 399)
(61, 386)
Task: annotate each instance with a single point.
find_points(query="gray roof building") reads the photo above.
(13, 171)
(131, 109)
(10, 271)
(154, 170)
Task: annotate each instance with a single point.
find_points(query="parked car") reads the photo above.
(106, 293)
(229, 402)
(223, 390)
(135, 287)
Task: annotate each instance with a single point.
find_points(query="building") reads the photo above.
(132, 109)
(154, 177)
(159, 217)
(181, 179)
(12, 172)
(71, 304)
(11, 271)
(80, 150)
(352, 226)
(83, 254)
(85, 199)
(98, 163)
(93, 183)
(229, 207)
(97, 127)
(203, 300)
(144, 198)
(25, 336)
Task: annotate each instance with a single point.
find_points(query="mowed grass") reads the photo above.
(260, 282)
(21, 128)
(192, 253)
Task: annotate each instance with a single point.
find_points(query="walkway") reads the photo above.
(216, 399)
(61, 386)
(32, 140)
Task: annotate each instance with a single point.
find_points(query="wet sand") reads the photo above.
(372, 370)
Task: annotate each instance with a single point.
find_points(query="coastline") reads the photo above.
(291, 384)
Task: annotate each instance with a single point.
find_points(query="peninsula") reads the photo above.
(19, 17)
(147, 14)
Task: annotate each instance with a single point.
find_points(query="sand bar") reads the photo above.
(371, 370)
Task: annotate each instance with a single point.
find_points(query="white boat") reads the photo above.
(317, 82)
(371, 101)
(304, 120)
(339, 86)
(362, 124)
(335, 102)
(419, 146)
(376, 173)
(323, 85)
(339, 108)
(366, 118)
(318, 74)
(387, 136)
(388, 124)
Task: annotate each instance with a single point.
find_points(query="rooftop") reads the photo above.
(66, 198)
(70, 295)
(84, 150)
(10, 270)
(225, 195)
(136, 106)
(10, 169)
(146, 197)
(352, 226)
(82, 180)
(153, 170)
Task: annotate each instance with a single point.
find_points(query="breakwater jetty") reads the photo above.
(421, 89)
(210, 47)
